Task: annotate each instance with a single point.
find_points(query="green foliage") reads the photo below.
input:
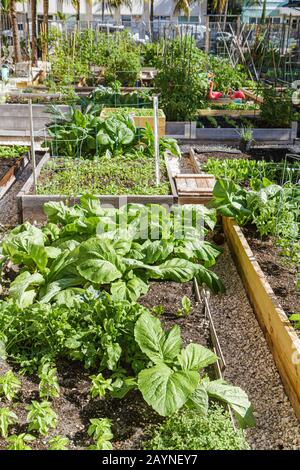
(186, 307)
(41, 417)
(173, 379)
(187, 430)
(7, 417)
(181, 79)
(124, 66)
(14, 151)
(100, 385)
(58, 443)
(19, 442)
(277, 108)
(9, 385)
(100, 431)
(225, 76)
(48, 386)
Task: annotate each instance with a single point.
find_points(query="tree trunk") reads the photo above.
(15, 31)
(33, 33)
(264, 12)
(117, 15)
(77, 11)
(45, 30)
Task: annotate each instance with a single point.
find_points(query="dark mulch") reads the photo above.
(131, 416)
(280, 274)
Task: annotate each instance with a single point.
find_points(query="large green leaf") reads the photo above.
(153, 341)
(236, 398)
(156, 251)
(195, 357)
(128, 290)
(178, 270)
(199, 400)
(166, 390)
(99, 271)
(19, 288)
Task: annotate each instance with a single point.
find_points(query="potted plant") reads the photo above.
(246, 135)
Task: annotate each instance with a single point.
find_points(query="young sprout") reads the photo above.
(7, 417)
(9, 385)
(100, 431)
(58, 443)
(158, 310)
(48, 386)
(18, 442)
(41, 417)
(100, 385)
(186, 307)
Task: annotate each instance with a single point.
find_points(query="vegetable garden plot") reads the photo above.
(12, 161)
(87, 287)
(270, 214)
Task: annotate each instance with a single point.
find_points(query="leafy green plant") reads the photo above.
(14, 151)
(187, 430)
(7, 417)
(100, 431)
(181, 79)
(41, 417)
(48, 386)
(58, 443)
(100, 385)
(158, 310)
(124, 67)
(173, 379)
(295, 318)
(9, 385)
(277, 108)
(186, 307)
(19, 442)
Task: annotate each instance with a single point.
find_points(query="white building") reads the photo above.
(139, 11)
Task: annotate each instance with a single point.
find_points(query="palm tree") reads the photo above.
(76, 6)
(180, 5)
(33, 32)
(45, 29)
(15, 31)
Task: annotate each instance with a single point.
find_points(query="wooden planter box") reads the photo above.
(12, 174)
(140, 121)
(30, 206)
(236, 113)
(280, 334)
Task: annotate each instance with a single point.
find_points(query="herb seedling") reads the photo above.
(48, 386)
(19, 442)
(100, 431)
(9, 385)
(158, 310)
(186, 307)
(99, 386)
(7, 417)
(41, 417)
(58, 443)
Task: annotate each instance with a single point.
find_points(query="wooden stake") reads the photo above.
(32, 146)
(156, 140)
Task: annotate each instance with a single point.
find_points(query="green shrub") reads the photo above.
(277, 108)
(124, 66)
(188, 430)
(226, 76)
(182, 79)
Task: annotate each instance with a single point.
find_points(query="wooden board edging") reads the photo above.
(280, 334)
(30, 206)
(13, 173)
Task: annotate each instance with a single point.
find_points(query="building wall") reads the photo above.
(163, 9)
(252, 14)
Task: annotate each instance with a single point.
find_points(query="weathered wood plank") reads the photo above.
(281, 336)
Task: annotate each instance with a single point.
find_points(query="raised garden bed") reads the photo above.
(140, 116)
(281, 336)
(31, 205)
(11, 166)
